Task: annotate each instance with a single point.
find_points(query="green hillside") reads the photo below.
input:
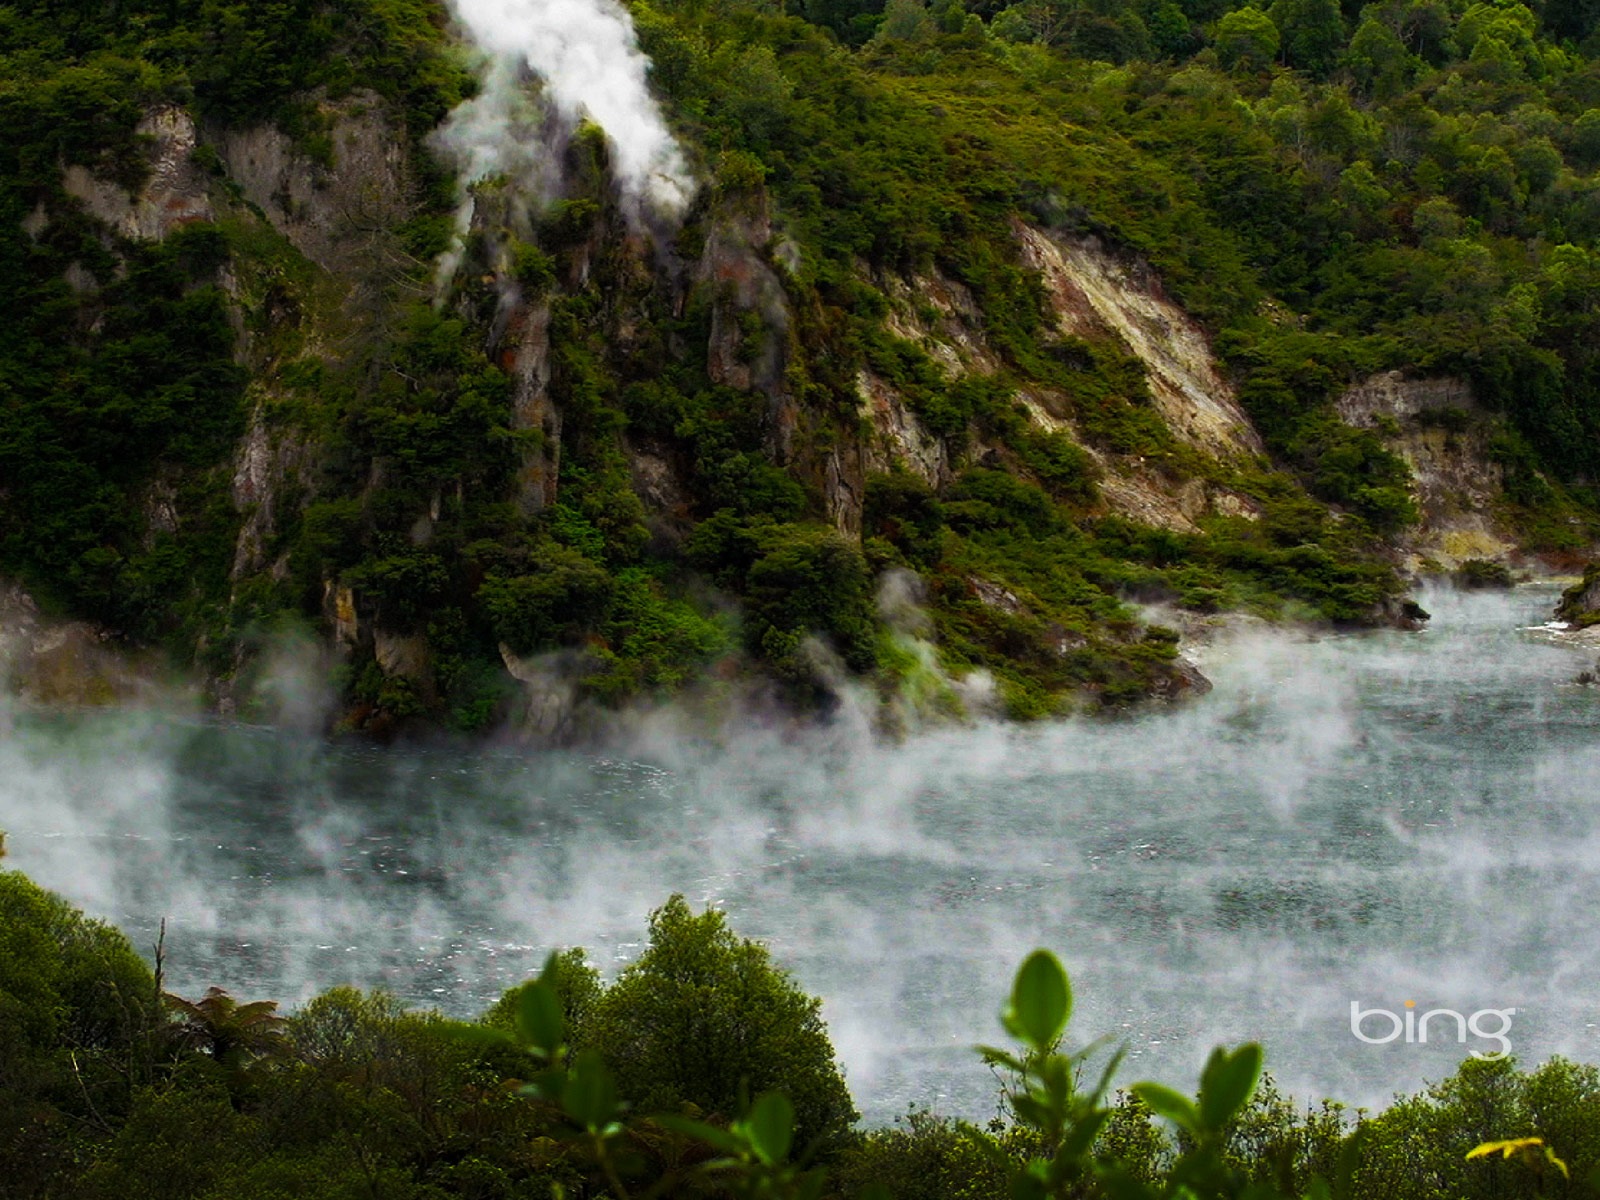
(1331, 193)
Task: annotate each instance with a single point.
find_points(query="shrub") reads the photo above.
(704, 1017)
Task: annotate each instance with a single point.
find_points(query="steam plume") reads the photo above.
(591, 65)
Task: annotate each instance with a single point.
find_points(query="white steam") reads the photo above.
(586, 55)
(1377, 819)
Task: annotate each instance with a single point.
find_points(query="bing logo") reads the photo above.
(1392, 1026)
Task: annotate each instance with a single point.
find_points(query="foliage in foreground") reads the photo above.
(702, 1071)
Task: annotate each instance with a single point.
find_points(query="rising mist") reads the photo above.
(1369, 818)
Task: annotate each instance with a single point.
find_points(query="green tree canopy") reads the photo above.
(1247, 40)
(705, 1017)
(1312, 33)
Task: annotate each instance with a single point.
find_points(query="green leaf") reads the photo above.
(1227, 1084)
(540, 1021)
(1165, 1102)
(1041, 1001)
(1031, 1110)
(1104, 1084)
(770, 1127)
(993, 1057)
(1076, 1145)
(714, 1136)
(548, 1085)
(1344, 1171)
(591, 1094)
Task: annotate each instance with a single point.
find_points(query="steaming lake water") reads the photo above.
(1376, 818)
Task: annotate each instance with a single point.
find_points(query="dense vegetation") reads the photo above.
(701, 1071)
(1333, 189)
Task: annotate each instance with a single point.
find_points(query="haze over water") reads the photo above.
(1376, 818)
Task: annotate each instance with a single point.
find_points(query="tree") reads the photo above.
(1312, 34)
(66, 980)
(1247, 40)
(810, 581)
(1379, 60)
(1583, 143)
(704, 1017)
(77, 1022)
(1425, 30)
(1575, 19)
(1171, 33)
(230, 1032)
(577, 984)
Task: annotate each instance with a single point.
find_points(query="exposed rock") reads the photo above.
(734, 263)
(70, 663)
(899, 435)
(1095, 293)
(844, 473)
(160, 513)
(549, 692)
(339, 610)
(266, 457)
(404, 656)
(1436, 426)
(1184, 681)
(332, 213)
(525, 353)
(1580, 603)
(1390, 394)
(941, 316)
(1401, 612)
(992, 595)
(1147, 498)
(656, 482)
(1133, 488)
(174, 193)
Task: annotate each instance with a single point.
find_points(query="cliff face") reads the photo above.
(1444, 435)
(1094, 293)
(1580, 604)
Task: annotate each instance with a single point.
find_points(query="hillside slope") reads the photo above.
(966, 340)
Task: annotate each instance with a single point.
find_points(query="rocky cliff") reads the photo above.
(597, 461)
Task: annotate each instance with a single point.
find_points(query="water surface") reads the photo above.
(1374, 818)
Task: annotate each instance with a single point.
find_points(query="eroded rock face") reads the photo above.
(940, 315)
(900, 436)
(266, 457)
(68, 663)
(549, 692)
(175, 193)
(1437, 426)
(1391, 394)
(525, 352)
(1095, 293)
(734, 262)
(1185, 681)
(1580, 604)
(331, 212)
(1140, 491)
